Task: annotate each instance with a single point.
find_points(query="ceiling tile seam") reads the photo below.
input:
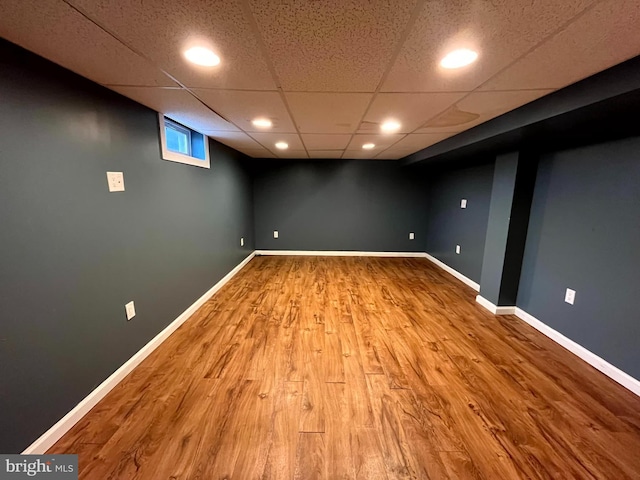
(394, 143)
(260, 143)
(477, 89)
(243, 90)
(419, 6)
(253, 24)
(357, 92)
(117, 85)
(344, 92)
(296, 133)
(558, 30)
(386, 92)
(274, 133)
(141, 55)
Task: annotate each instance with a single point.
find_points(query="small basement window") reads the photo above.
(182, 144)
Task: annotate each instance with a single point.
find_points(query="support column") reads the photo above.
(511, 196)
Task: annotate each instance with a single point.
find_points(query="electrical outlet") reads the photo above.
(463, 203)
(570, 296)
(115, 180)
(275, 234)
(458, 249)
(130, 308)
(412, 235)
(242, 241)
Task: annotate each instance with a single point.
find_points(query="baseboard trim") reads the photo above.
(51, 436)
(494, 308)
(453, 272)
(611, 371)
(339, 253)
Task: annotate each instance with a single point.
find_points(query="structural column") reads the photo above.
(511, 196)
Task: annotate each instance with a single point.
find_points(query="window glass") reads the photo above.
(178, 138)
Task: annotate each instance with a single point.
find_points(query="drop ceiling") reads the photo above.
(328, 73)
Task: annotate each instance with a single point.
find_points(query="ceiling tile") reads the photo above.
(393, 154)
(477, 108)
(328, 112)
(500, 30)
(604, 36)
(340, 46)
(325, 142)
(359, 154)
(237, 140)
(410, 109)
(241, 107)
(380, 141)
(56, 31)
(257, 153)
(163, 29)
(292, 154)
(179, 105)
(269, 140)
(418, 141)
(325, 153)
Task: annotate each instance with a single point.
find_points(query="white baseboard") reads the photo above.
(494, 308)
(51, 436)
(453, 272)
(339, 253)
(591, 358)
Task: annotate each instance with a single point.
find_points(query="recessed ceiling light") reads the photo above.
(202, 56)
(262, 123)
(282, 145)
(459, 58)
(390, 126)
(368, 146)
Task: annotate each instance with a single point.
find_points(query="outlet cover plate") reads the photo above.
(130, 308)
(115, 180)
(570, 296)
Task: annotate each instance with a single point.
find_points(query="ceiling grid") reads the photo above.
(328, 73)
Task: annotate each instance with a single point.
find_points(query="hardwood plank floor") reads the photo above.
(351, 367)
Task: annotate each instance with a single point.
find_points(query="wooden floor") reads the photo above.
(372, 368)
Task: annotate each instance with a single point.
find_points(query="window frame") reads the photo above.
(172, 156)
(178, 128)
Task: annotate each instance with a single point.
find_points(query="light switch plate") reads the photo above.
(242, 241)
(130, 308)
(458, 249)
(570, 296)
(115, 180)
(463, 203)
(412, 235)
(275, 234)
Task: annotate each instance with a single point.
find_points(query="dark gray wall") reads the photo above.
(339, 205)
(511, 195)
(449, 225)
(497, 229)
(584, 234)
(72, 254)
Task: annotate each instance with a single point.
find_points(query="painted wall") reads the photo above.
(449, 225)
(584, 234)
(339, 205)
(72, 254)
